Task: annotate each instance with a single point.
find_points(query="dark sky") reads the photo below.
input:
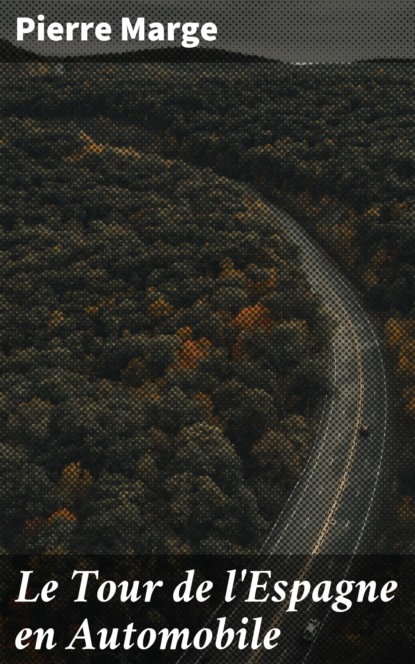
(293, 30)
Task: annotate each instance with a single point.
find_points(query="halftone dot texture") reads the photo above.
(165, 355)
(289, 30)
(184, 369)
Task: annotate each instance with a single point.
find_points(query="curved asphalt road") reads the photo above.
(330, 507)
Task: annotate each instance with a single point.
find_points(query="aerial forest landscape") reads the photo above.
(172, 343)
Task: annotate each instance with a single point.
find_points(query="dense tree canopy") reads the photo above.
(156, 330)
(160, 371)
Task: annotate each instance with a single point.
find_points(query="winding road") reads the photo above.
(329, 509)
(330, 506)
(324, 521)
